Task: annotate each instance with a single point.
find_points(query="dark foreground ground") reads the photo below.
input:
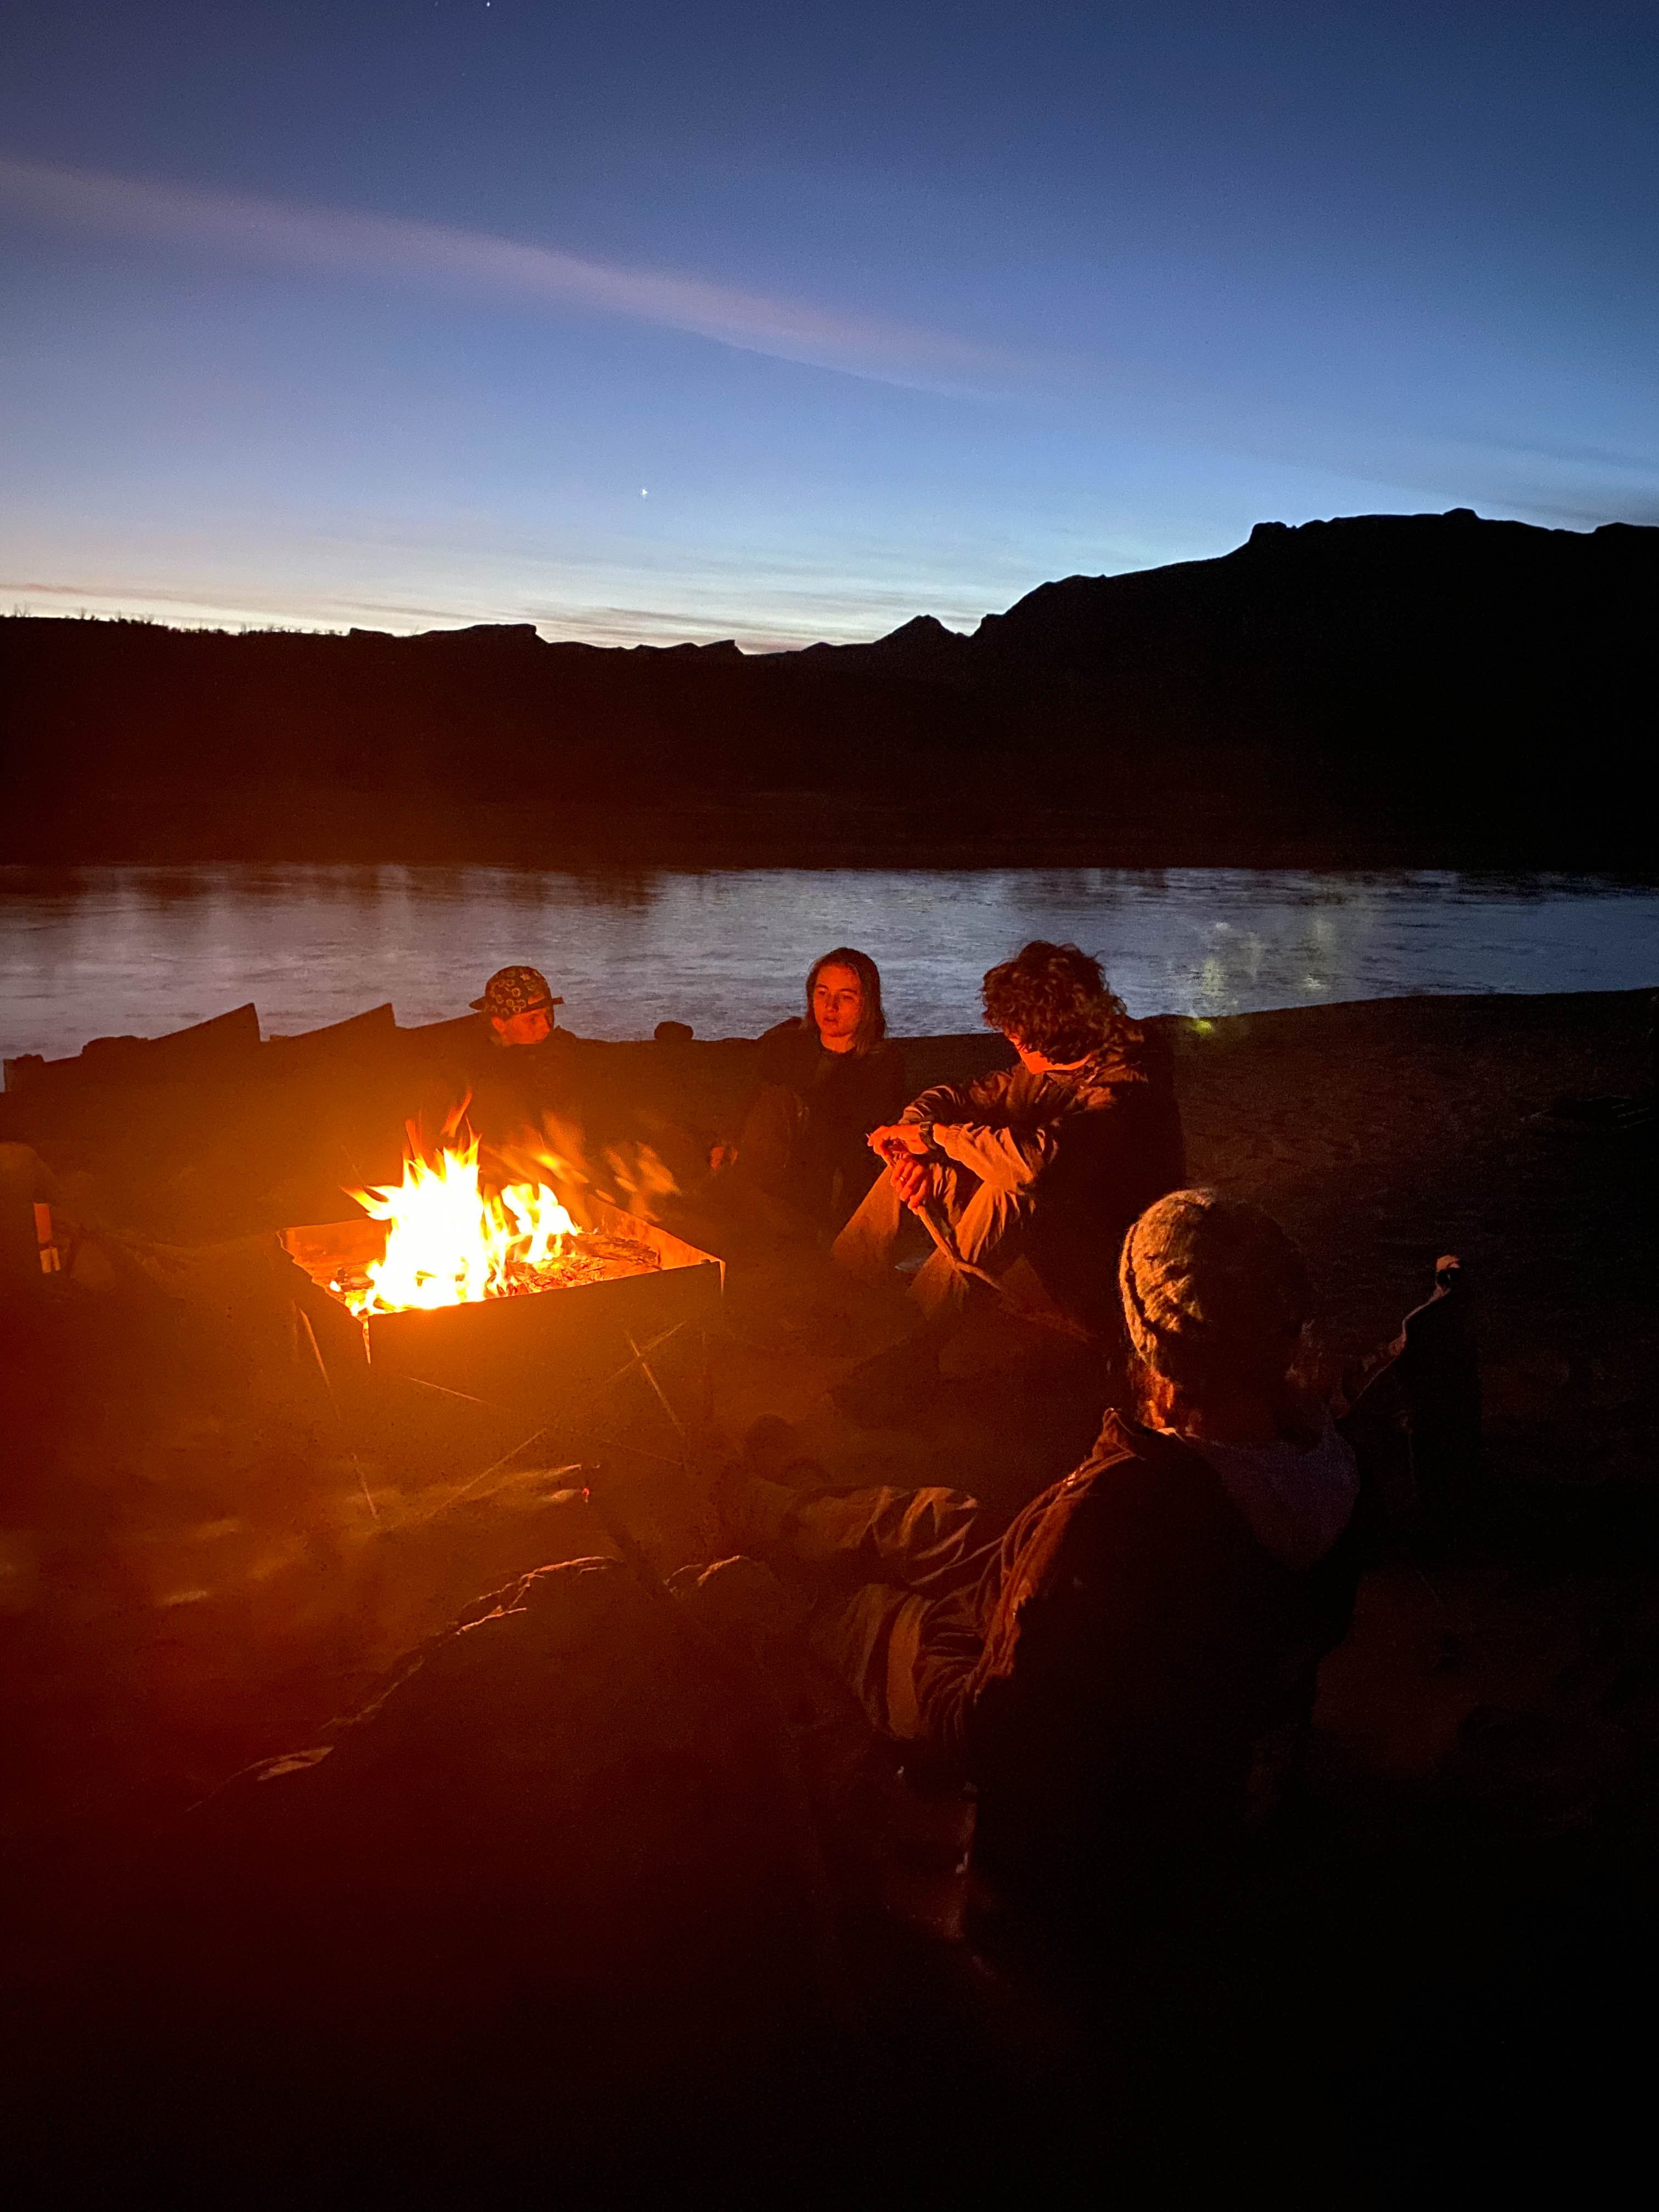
(595, 1902)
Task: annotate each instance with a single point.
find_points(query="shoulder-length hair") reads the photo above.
(1053, 999)
(872, 1023)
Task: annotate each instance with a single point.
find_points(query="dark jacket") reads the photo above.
(510, 1087)
(1128, 1645)
(851, 1092)
(808, 1113)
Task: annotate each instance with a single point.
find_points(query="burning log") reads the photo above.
(449, 1241)
(498, 1294)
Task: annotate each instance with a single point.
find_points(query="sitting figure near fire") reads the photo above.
(516, 1056)
(1046, 1163)
(824, 1080)
(518, 1008)
(1123, 1665)
(510, 1056)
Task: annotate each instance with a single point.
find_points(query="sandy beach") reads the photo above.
(1382, 1135)
(192, 1582)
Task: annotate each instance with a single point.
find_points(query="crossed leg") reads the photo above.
(985, 1227)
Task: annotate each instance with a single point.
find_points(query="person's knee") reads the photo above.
(993, 1221)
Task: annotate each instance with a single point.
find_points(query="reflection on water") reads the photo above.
(101, 952)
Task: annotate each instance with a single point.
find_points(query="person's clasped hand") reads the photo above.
(904, 1147)
(901, 1137)
(913, 1180)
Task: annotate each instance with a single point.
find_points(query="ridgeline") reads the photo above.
(1414, 689)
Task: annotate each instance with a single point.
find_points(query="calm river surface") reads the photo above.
(101, 952)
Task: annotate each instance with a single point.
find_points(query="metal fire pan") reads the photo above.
(542, 1352)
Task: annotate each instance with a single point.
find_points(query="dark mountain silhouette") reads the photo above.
(1414, 688)
(921, 648)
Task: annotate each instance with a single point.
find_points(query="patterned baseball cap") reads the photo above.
(515, 991)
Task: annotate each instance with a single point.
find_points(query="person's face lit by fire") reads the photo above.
(532, 1026)
(837, 1008)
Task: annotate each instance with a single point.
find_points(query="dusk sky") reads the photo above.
(690, 321)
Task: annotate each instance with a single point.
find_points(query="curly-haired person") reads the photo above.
(1045, 1164)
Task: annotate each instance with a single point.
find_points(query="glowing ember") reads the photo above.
(450, 1243)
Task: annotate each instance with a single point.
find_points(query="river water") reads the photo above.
(107, 951)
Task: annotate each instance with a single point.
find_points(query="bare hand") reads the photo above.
(899, 1137)
(914, 1181)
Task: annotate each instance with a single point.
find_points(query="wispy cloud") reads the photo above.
(772, 621)
(392, 249)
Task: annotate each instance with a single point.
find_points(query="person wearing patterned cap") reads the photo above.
(507, 1059)
(518, 1007)
(1119, 1668)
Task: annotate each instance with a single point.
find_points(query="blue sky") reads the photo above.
(702, 322)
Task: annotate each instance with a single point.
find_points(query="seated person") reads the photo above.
(510, 1055)
(544, 1102)
(1049, 1161)
(517, 1011)
(1112, 1669)
(825, 1080)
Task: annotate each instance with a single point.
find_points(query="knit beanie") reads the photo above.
(1213, 1289)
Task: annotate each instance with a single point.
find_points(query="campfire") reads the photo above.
(451, 1241)
(500, 1293)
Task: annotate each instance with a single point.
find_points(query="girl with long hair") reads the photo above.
(825, 1080)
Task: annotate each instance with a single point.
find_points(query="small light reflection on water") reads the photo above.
(101, 952)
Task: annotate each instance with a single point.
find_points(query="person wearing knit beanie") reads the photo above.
(1126, 1671)
(1215, 1297)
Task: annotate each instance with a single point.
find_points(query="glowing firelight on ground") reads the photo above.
(450, 1243)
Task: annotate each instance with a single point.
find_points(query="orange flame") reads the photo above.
(449, 1244)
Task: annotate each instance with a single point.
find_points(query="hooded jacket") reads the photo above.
(1129, 1643)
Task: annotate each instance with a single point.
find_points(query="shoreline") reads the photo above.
(237, 1045)
(1428, 1102)
(108, 953)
